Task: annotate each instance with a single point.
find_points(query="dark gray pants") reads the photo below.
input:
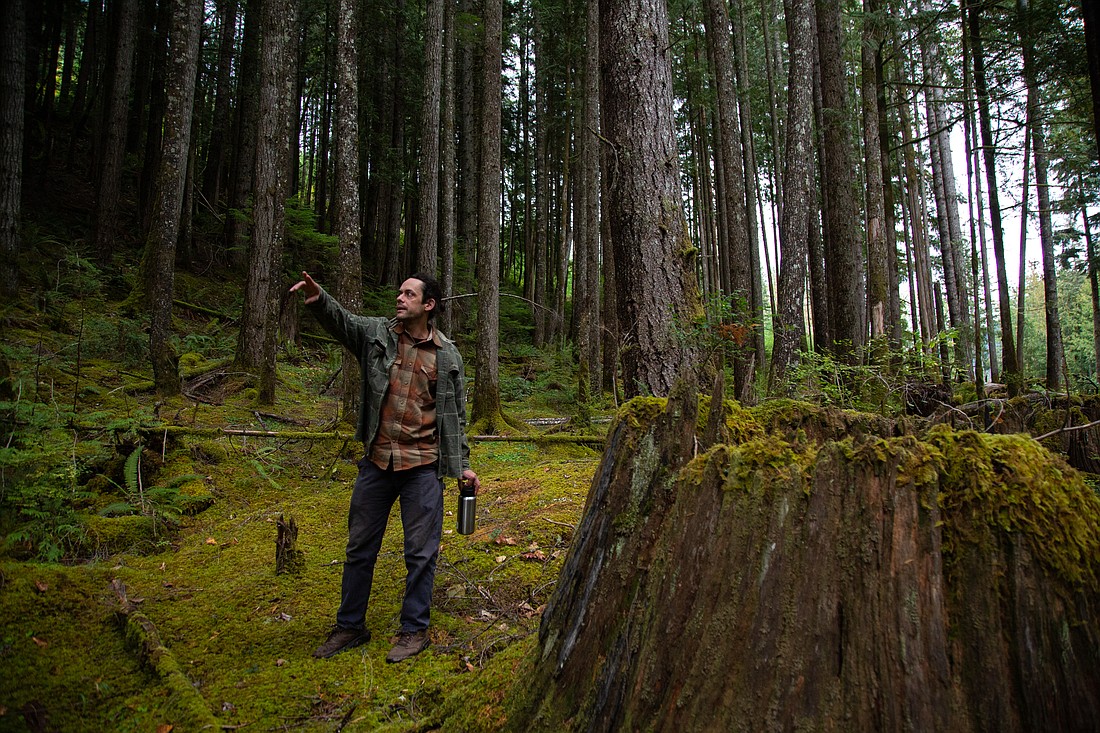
(421, 495)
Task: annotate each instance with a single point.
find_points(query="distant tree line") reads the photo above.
(659, 180)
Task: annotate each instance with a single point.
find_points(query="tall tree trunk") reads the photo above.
(469, 141)
(1094, 284)
(87, 79)
(257, 341)
(185, 37)
(12, 68)
(1090, 13)
(427, 252)
(732, 172)
(752, 194)
(1021, 275)
(542, 189)
(1055, 351)
(789, 326)
(447, 179)
(974, 197)
(588, 242)
(878, 271)
(391, 272)
(843, 260)
(214, 172)
(657, 288)
(242, 173)
(349, 274)
(1010, 368)
(109, 180)
(924, 306)
(487, 371)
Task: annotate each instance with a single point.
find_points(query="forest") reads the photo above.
(800, 248)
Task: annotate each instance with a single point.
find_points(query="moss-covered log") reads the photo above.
(826, 571)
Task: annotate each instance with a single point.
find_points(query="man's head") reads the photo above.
(419, 296)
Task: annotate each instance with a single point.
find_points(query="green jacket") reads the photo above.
(374, 343)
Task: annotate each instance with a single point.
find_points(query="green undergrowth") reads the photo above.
(93, 490)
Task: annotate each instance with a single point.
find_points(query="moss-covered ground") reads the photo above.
(95, 492)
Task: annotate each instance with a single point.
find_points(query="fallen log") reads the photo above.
(188, 706)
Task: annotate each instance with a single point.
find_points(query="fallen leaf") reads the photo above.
(165, 728)
(163, 565)
(501, 558)
(211, 541)
(506, 541)
(285, 617)
(41, 586)
(280, 662)
(39, 642)
(536, 556)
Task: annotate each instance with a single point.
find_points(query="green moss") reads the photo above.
(111, 535)
(641, 410)
(1009, 484)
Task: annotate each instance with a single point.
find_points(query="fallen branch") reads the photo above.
(141, 634)
(1069, 429)
(158, 430)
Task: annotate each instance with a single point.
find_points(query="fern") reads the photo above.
(132, 471)
(117, 509)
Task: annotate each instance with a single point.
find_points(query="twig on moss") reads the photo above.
(1068, 429)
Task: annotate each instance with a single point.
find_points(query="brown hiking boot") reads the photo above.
(341, 639)
(408, 644)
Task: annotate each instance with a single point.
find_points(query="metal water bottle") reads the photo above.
(467, 507)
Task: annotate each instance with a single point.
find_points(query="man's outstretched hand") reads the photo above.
(308, 288)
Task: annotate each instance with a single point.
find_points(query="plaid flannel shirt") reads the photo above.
(373, 340)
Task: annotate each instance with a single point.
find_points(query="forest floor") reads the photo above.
(162, 609)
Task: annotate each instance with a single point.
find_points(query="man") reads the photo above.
(412, 421)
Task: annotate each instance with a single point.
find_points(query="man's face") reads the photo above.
(410, 301)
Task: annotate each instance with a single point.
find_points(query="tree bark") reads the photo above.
(487, 370)
(447, 180)
(257, 340)
(789, 325)
(214, 171)
(109, 180)
(588, 239)
(654, 258)
(244, 149)
(1094, 286)
(160, 256)
(826, 572)
(427, 250)
(12, 61)
(878, 272)
(349, 274)
(844, 245)
(732, 173)
(1055, 351)
(1010, 368)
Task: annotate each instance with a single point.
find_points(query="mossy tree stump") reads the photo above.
(858, 579)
